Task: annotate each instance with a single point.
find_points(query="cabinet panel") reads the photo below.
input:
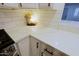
(55, 52)
(34, 47)
(9, 5)
(44, 5)
(24, 46)
(46, 50)
(42, 48)
(29, 5)
(57, 6)
(12, 5)
(59, 53)
(39, 48)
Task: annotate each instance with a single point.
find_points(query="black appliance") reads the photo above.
(5, 39)
(7, 45)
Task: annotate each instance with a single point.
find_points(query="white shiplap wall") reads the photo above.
(11, 19)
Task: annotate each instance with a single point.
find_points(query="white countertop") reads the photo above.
(18, 33)
(66, 42)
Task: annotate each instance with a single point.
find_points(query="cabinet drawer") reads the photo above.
(59, 53)
(47, 50)
(23, 46)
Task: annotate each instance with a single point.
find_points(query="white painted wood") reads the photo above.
(57, 6)
(58, 53)
(9, 5)
(37, 5)
(29, 5)
(43, 46)
(24, 46)
(44, 5)
(52, 50)
(40, 51)
(34, 51)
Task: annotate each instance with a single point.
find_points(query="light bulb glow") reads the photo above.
(34, 18)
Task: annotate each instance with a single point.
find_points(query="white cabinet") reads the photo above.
(23, 46)
(51, 51)
(34, 46)
(57, 52)
(46, 50)
(9, 5)
(58, 6)
(31, 46)
(46, 5)
(39, 48)
(43, 5)
(36, 5)
(29, 5)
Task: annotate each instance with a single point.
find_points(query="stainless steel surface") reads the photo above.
(10, 51)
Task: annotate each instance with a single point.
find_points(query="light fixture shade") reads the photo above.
(28, 17)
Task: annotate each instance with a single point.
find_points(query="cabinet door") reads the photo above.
(34, 47)
(29, 5)
(9, 5)
(59, 53)
(42, 48)
(46, 50)
(23, 46)
(54, 52)
(57, 6)
(38, 48)
(44, 5)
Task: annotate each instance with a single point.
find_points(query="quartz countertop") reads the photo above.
(18, 33)
(64, 41)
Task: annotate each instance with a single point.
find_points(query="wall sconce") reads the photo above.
(30, 18)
